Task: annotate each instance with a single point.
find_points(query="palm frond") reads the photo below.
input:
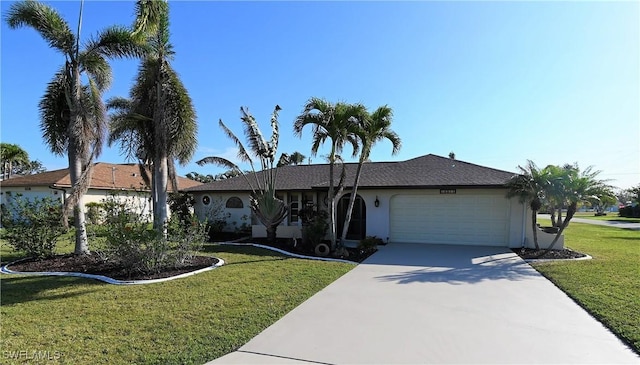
(242, 152)
(148, 17)
(97, 68)
(220, 161)
(255, 139)
(275, 133)
(46, 21)
(284, 160)
(115, 42)
(54, 115)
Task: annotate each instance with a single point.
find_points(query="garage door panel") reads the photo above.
(449, 219)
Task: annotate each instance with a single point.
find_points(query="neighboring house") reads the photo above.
(124, 180)
(428, 199)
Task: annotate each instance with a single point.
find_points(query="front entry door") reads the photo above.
(358, 225)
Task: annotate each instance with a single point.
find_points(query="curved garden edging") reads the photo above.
(585, 257)
(287, 252)
(5, 270)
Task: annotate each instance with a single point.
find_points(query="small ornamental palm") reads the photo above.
(72, 114)
(269, 210)
(372, 129)
(577, 187)
(339, 123)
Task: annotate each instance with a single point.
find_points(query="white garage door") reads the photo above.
(450, 219)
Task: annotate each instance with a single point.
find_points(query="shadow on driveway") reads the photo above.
(450, 264)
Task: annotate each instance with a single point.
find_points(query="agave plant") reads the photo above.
(266, 206)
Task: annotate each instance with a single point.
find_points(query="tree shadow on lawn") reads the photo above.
(636, 239)
(17, 289)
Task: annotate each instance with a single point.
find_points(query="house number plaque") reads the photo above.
(447, 191)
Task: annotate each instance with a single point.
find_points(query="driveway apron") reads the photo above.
(415, 303)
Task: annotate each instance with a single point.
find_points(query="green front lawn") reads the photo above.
(608, 286)
(611, 216)
(185, 321)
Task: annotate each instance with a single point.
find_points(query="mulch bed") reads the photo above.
(91, 264)
(353, 254)
(533, 254)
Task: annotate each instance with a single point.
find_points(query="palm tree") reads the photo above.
(270, 210)
(12, 156)
(575, 188)
(529, 186)
(338, 123)
(296, 158)
(157, 124)
(72, 114)
(373, 129)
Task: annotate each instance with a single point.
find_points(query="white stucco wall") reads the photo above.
(139, 200)
(544, 239)
(377, 218)
(38, 192)
(235, 217)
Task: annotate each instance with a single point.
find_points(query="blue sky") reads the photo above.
(495, 82)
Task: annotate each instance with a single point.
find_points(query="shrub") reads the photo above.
(314, 225)
(216, 217)
(131, 241)
(32, 226)
(181, 205)
(370, 242)
(629, 211)
(95, 212)
(185, 240)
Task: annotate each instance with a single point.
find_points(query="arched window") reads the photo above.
(206, 200)
(234, 202)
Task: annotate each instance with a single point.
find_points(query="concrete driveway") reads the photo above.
(412, 303)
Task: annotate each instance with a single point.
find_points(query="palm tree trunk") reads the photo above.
(76, 159)
(162, 177)
(570, 212)
(534, 226)
(331, 198)
(271, 233)
(75, 170)
(559, 221)
(352, 201)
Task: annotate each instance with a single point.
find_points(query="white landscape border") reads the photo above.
(5, 270)
(286, 252)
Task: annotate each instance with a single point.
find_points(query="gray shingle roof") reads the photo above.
(420, 172)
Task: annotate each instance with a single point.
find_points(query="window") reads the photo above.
(206, 200)
(294, 207)
(234, 202)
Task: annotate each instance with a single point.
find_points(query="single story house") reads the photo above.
(428, 199)
(124, 180)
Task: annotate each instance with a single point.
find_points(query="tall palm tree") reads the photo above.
(159, 116)
(12, 156)
(270, 210)
(339, 123)
(296, 158)
(72, 113)
(373, 129)
(530, 186)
